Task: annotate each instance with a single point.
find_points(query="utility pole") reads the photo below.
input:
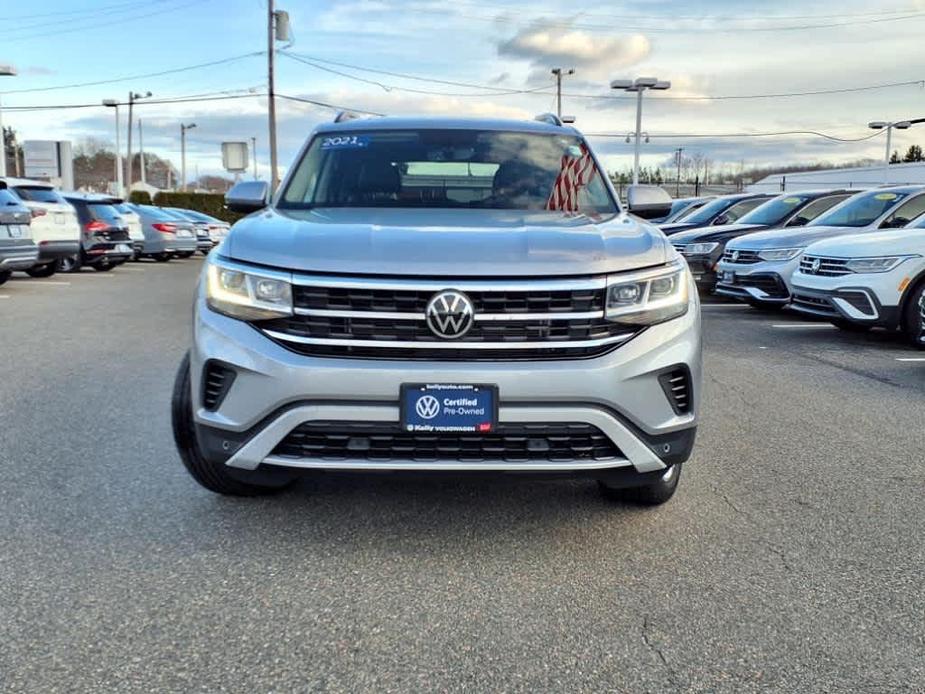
(120, 187)
(132, 98)
(183, 128)
(5, 71)
(254, 155)
(677, 189)
(558, 72)
(141, 153)
(271, 93)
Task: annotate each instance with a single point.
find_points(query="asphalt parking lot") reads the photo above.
(791, 558)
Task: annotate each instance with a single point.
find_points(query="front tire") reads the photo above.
(71, 263)
(162, 257)
(42, 270)
(653, 494)
(4, 276)
(105, 266)
(211, 475)
(185, 254)
(913, 320)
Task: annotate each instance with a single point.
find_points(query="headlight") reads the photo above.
(699, 248)
(780, 253)
(646, 298)
(882, 264)
(247, 295)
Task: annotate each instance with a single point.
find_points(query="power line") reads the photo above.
(91, 14)
(717, 17)
(663, 27)
(172, 71)
(57, 32)
(500, 91)
(325, 104)
(720, 136)
(15, 18)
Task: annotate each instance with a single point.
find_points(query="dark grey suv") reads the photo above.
(17, 249)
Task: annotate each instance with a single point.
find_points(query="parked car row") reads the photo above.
(855, 258)
(44, 230)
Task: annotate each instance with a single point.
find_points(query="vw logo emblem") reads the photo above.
(735, 256)
(427, 407)
(449, 314)
(817, 263)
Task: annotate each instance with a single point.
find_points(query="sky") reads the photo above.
(479, 58)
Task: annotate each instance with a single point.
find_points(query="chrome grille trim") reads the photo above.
(828, 267)
(391, 315)
(448, 344)
(463, 285)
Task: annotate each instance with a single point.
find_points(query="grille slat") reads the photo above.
(828, 267)
(386, 319)
(386, 441)
(216, 382)
(677, 387)
(743, 257)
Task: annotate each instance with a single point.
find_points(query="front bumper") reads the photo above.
(275, 390)
(702, 268)
(763, 282)
(54, 250)
(18, 256)
(845, 298)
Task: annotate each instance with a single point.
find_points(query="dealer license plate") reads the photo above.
(449, 407)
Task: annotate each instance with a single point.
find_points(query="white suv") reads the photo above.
(55, 228)
(867, 280)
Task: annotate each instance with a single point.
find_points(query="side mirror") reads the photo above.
(722, 219)
(798, 222)
(248, 196)
(648, 202)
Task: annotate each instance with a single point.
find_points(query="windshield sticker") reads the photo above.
(886, 196)
(345, 142)
(793, 201)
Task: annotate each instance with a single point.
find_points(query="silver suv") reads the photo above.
(443, 295)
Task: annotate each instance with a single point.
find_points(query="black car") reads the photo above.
(105, 240)
(17, 249)
(681, 207)
(703, 247)
(727, 209)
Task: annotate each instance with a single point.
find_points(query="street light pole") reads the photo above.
(254, 155)
(888, 126)
(132, 98)
(120, 188)
(639, 85)
(558, 72)
(183, 129)
(677, 188)
(5, 71)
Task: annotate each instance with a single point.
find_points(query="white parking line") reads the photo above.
(724, 306)
(910, 358)
(802, 325)
(53, 283)
(4, 296)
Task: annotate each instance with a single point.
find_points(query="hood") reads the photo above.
(434, 242)
(874, 243)
(675, 227)
(717, 233)
(789, 238)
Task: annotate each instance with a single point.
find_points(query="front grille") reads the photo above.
(512, 320)
(827, 267)
(743, 257)
(415, 301)
(770, 284)
(387, 441)
(216, 382)
(677, 386)
(815, 304)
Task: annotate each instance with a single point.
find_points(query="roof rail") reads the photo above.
(550, 118)
(345, 115)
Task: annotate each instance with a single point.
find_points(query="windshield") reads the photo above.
(448, 169)
(775, 211)
(706, 213)
(38, 194)
(156, 213)
(859, 211)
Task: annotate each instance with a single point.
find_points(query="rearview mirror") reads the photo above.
(247, 196)
(648, 202)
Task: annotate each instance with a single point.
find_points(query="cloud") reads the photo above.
(547, 44)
